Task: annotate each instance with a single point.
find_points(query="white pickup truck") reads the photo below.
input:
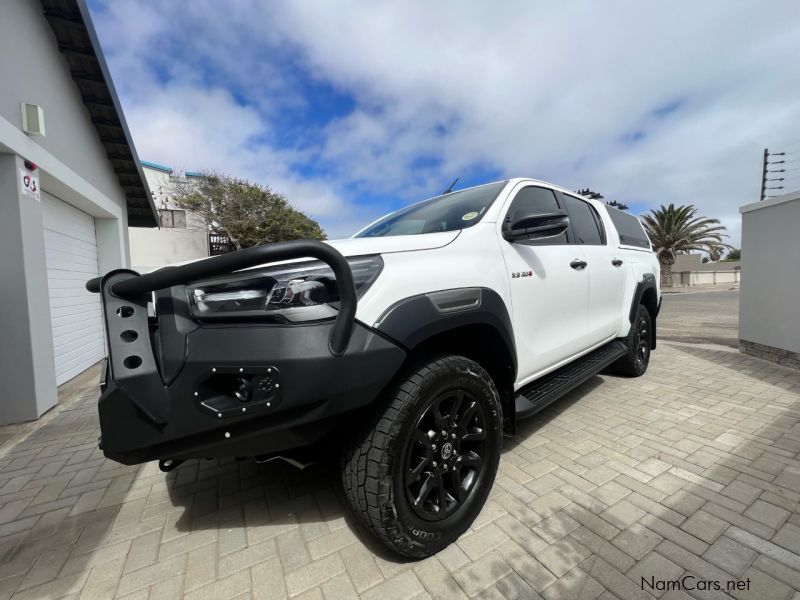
(413, 347)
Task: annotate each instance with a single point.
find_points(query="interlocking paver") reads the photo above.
(704, 526)
(637, 541)
(693, 467)
(730, 555)
(788, 536)
(652, 568)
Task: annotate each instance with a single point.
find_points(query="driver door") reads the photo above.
(549, 289)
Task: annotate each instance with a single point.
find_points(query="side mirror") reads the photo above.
(536, 226)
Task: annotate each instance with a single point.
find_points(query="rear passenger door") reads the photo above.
(605, 268)
(549, 288)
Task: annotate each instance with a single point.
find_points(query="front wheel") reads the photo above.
(635, 361)
(421, 471)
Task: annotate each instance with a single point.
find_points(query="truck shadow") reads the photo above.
(269, 500)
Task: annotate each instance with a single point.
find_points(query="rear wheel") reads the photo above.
(419, 474)
(635, 361)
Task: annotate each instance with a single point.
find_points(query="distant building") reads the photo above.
(687, 262)
(182, 234)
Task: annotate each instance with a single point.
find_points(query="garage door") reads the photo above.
(71, 253)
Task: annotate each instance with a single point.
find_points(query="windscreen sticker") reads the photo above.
(469, 216)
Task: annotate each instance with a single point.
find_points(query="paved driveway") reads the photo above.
(690, 470)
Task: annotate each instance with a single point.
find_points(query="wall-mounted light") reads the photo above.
(32, 119)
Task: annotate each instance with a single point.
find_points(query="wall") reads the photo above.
(26, 352)
(73, 166)
(722, 276)
(151, 248)
(769, 306)
(37, 73)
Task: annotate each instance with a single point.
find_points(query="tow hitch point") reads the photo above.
(226, 392)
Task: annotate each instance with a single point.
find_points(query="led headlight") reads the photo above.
(295, 292)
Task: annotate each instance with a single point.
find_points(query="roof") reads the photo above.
(77, 41)
(156, 166)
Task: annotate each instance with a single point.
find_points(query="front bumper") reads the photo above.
(177, 389)
(315, 391)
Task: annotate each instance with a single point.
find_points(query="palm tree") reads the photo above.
(676, 230)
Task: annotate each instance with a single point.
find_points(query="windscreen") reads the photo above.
(449, 212)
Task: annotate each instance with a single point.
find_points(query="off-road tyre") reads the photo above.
(638, 342)
(376, 473)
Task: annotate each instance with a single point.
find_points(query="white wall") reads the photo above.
(73, 166)
(34, 71)
(769, 305)
(151, 248)
(706, 277)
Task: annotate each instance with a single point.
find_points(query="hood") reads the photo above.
(357, 247)
(393, 243)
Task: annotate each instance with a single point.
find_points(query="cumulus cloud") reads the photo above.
(647, 103)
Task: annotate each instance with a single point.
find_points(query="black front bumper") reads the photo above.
(315, 390)
(176, 389)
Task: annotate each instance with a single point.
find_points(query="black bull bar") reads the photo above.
(125, 296)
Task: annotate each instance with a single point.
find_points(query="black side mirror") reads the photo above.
(536, 226)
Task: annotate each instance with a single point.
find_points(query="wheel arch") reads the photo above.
(471, 322)
(646, 294)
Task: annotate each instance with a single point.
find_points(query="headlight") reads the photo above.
(296, 292)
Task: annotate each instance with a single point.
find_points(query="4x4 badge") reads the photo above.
(516, 274)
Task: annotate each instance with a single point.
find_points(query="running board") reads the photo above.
(538, 394)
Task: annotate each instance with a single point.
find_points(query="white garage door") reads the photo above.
(71, 253)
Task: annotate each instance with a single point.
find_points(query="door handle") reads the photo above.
(616, 262)
(578, 264)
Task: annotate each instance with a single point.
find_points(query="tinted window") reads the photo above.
(585, 221)
(532, 200)
(630, 230)
(456, 210)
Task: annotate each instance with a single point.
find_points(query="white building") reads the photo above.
(182, 236)
(70, 185)
(769, 304)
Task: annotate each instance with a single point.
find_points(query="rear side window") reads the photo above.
(532, 200)
(585, 221)
(631, 232)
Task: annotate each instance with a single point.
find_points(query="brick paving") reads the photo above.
(692, 469)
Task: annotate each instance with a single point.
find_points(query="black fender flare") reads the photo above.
(648, 282)
(412, 320)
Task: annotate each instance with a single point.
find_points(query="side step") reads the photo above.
(538, 394)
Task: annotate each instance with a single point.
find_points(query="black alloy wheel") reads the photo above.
(639, 342)
(643, 341)
(421, 470)
(444, 454)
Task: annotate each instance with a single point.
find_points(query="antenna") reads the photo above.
(450, 189)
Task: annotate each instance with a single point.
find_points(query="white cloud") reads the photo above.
(541, 89)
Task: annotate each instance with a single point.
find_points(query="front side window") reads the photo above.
(449, 212)
(535, 200)
(585, 221)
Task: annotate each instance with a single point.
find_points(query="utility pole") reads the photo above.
(766, 171)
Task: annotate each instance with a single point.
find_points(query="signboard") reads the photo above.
(29, 185)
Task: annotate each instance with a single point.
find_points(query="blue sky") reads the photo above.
(352, 109)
